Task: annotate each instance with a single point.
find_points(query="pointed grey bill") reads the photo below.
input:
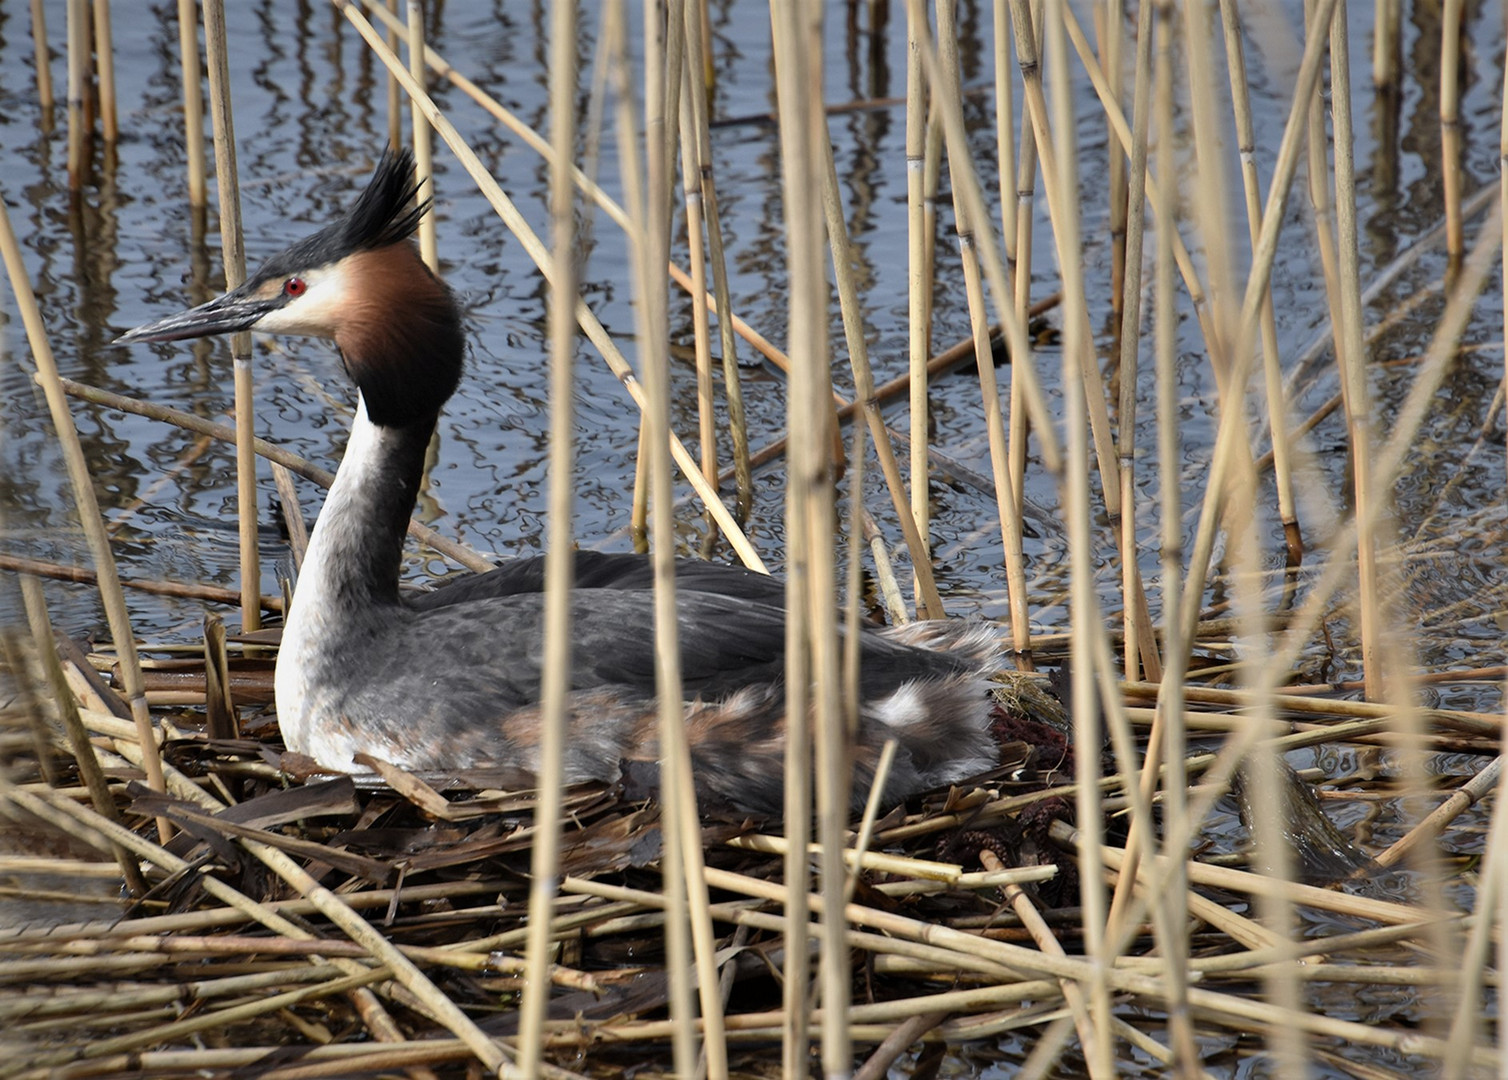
(224, 314)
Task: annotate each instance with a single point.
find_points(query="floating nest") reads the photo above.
(276, 922)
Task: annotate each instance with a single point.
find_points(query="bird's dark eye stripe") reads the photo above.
(295, 286)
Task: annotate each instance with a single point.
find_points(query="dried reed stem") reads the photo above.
(193, 108)
(1272, 367)
(1451, 12)
(811, 661)
(424, 168)
(394, 94)
(78, 89)
(1353, 361)
(918, 278)
(1083, 398)
(233, 254)
(42, 59)
(556, 672)
(692, 165)
(104, 61)
(928, 601)
(647, 190)
(948, 88)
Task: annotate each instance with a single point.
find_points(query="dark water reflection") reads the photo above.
(310, 119)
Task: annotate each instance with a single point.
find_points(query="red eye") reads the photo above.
(295, 286)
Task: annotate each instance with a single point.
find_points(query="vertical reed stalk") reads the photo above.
(104, 60)
(1450, 127)
(812, 640)
(918, 279)
(43, 60)
(1354, 361)
(948, 87)
(193, 107)
(78, 90)
(1387, 20)
(638, 520)
(692, 166)
(1020, 245)
(1089, 371)
(86, 504)
(805, 462)
(929, 602)
(1005, 136)
(1108, 20)
(966, 186)
(699, 60)
(1272, 361)
(1170, 714)
(1135, 618)
(683, 787)
(648, 199)
(1263, 767)
(424, 167)
(555, 682)
(228, 186)
(1061, 171)
(394, 98)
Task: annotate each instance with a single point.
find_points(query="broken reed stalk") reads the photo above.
(332, 907)
(556, 672)
(82, 575)
(277, 455)
(539, 255)
(85, 501)
(78, 738)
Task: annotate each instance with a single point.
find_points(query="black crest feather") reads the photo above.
(385, 213)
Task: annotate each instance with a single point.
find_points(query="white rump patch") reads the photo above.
(904, 708)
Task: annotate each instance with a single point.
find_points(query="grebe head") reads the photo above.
(360, 283)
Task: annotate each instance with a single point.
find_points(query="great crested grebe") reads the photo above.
(449, 680)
